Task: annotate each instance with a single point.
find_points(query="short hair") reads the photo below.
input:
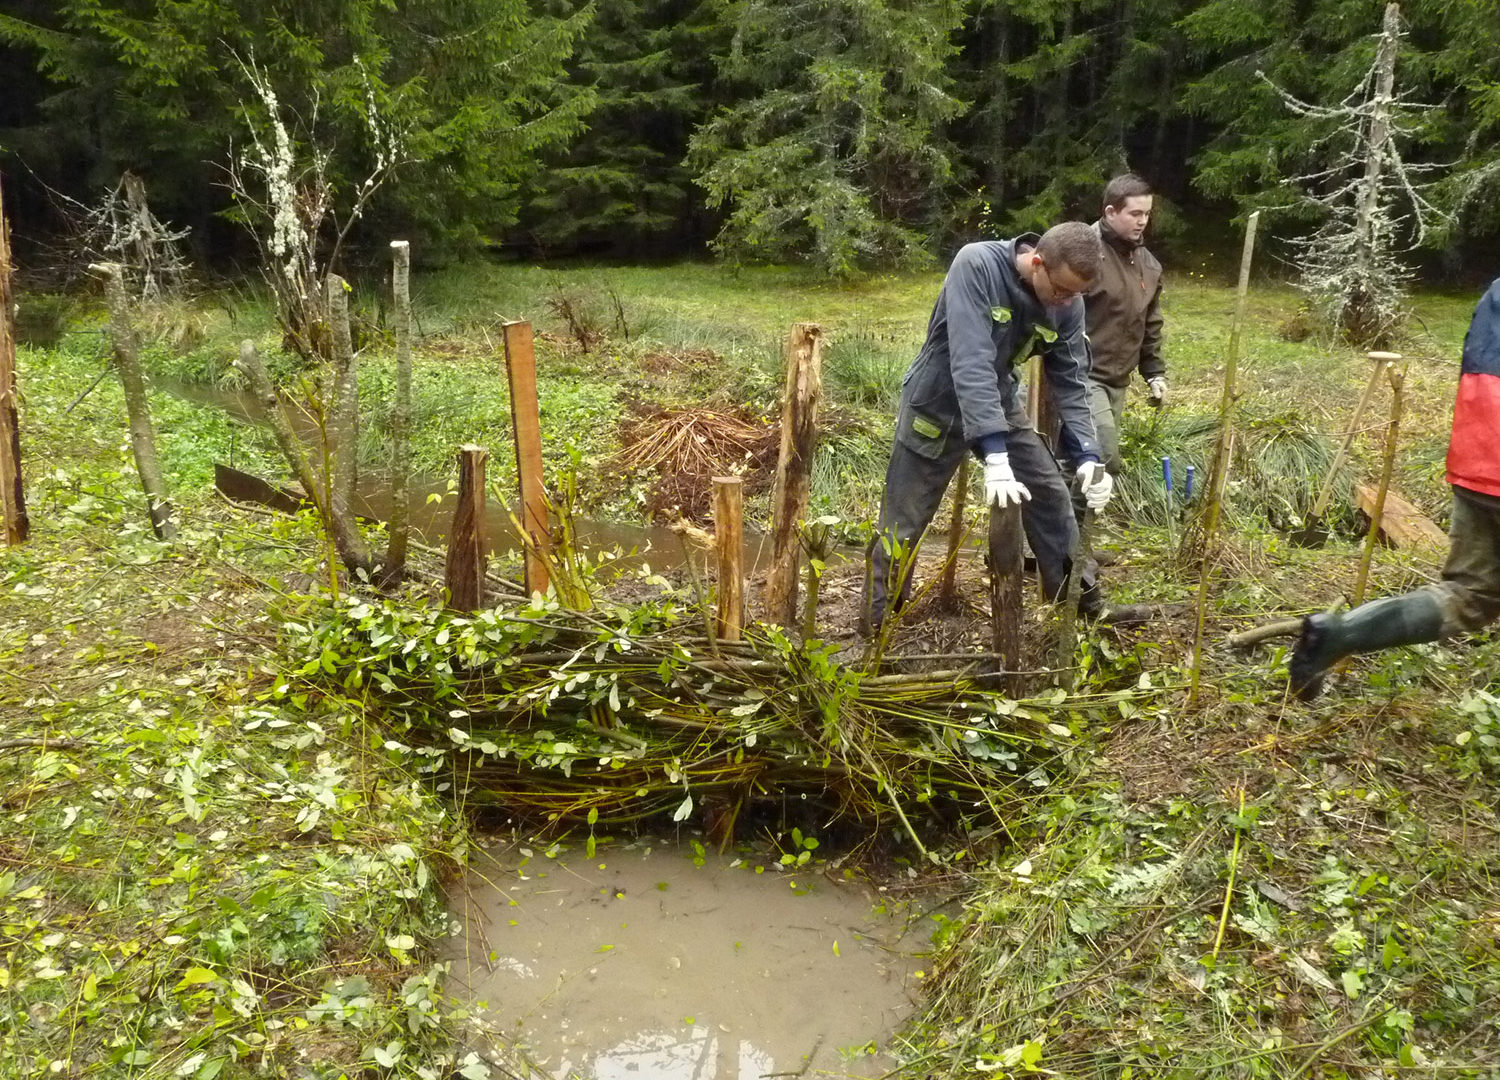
(1072, 244)
(1125, 186)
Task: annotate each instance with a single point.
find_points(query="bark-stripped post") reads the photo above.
(1034, 392)
(12, 495)
(468, 554)
(344, 414)
(142, 434)
(729, 546)
(948, 589)
(1387, 464)
(1006, 592)
(526, 422)
(1218, 476)
(799, 438)
(395, 552)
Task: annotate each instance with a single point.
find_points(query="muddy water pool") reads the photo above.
(652, 961)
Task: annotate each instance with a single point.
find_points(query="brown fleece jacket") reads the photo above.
(1122, 311)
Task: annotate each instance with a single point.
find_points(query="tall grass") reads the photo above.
(1279, 463)
(865, 367)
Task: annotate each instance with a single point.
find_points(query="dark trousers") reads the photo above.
(1470, 590)
(914, 488)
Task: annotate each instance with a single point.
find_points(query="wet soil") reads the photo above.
(653, 961)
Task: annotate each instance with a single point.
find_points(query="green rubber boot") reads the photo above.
(1326, 639)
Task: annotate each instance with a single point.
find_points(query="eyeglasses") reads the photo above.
(1059, 294)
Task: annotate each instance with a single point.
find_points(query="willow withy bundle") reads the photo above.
(623, 712)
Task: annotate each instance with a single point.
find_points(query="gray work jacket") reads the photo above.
(962, 385)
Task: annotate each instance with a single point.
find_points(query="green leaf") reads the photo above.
(197, 976)
(1031, 1053)
(1353, 982)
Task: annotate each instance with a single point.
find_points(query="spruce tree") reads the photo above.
(623, 183)
(157, 88)
(834, 151)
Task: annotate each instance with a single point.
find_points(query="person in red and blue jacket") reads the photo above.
(1468, 596)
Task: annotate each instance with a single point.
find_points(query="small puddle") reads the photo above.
(642, 964)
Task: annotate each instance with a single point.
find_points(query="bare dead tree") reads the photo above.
(281, 182)
(1373, 203)
(121, 230)
(142, 433)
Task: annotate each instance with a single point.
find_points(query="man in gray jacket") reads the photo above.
(1001, 302)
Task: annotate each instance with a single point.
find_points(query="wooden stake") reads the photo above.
(468, 553)
(1040, 407)
(729, 545)
(799, 436)
(344, 413)
(395, 552)
(948, 589)
(1067, 623)
(1219, 474)
(1387, 464)
(1034, 391)
(142, 434)
(13, 517)
(526, 421)
(1325, 492)
(1006, 592)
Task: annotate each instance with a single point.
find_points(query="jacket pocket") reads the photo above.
(923, 432)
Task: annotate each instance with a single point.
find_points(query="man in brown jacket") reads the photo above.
(1122, 312)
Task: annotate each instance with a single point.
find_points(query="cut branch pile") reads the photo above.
(626, 713)
(685, 448)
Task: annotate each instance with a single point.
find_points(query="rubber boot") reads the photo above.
(1326, 639)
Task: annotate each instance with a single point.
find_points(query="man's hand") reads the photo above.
(1001, 488)
(1156, 386)
(1095, 483)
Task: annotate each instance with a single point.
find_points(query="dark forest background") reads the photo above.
(849, 134)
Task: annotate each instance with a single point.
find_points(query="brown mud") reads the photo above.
(653, 960)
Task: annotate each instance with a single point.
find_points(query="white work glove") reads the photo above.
(1096, 484)
(1157, 388)
(1001, 488)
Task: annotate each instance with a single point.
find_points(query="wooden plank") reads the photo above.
(799, 438)
(467, 551)
(1401, 523)
(240, 486)
(526, 421)
(1006, 592)
(13, 519)
(729, 544)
